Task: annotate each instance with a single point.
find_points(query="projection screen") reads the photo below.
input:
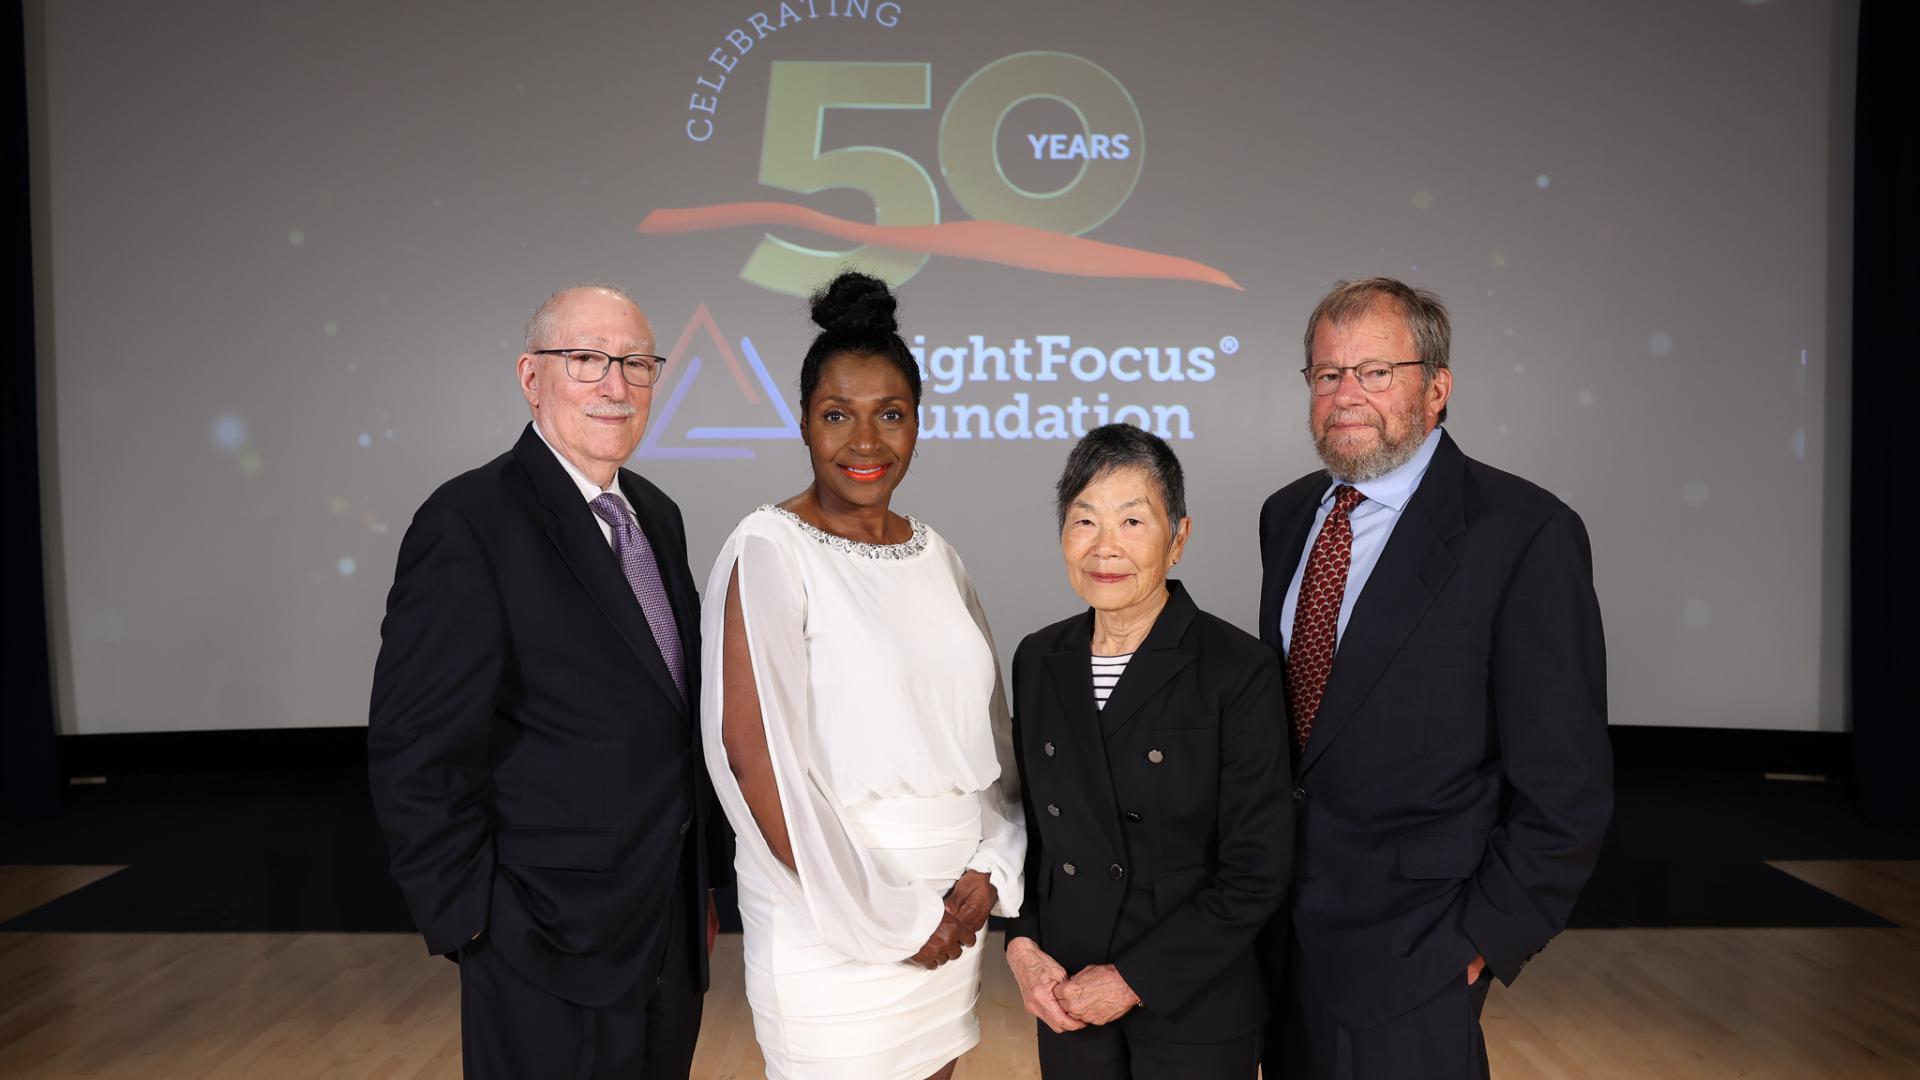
(284, 252)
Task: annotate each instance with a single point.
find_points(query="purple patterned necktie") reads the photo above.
(643, 576)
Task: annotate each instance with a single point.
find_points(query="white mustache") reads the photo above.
(618, 410)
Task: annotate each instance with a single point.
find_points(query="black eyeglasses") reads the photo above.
(590, 365)
(1373, 376)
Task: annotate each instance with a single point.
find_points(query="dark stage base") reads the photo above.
(290, 852)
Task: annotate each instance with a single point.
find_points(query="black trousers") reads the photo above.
(511, 1029)
(1438, 1039)
(1109, 1052)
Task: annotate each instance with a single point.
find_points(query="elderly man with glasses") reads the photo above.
(1446, 690)
(532, 743)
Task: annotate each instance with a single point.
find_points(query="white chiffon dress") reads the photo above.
(888, 732)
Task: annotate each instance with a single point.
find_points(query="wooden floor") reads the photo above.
(1640, 1004)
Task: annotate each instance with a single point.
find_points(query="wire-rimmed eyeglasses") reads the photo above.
(590, 365)
(1373, 376)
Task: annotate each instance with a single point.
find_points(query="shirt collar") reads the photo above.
(588, 490)
(1396, 487)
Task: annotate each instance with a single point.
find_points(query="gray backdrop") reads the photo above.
(284, 252)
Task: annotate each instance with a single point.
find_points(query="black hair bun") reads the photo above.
(855, 303)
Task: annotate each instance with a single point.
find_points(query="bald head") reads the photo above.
(551, 319)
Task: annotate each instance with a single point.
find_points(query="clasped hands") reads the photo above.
(1097, 995)
(967, 905)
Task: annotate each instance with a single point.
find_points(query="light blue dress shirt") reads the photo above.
(1373, 522)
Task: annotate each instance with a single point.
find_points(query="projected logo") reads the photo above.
(1012, 225)
(737, 406)
(1031, 154)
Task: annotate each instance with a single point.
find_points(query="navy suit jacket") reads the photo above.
(1454, 793)
(536, 773)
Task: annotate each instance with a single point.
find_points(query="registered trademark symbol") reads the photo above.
(1229, 345)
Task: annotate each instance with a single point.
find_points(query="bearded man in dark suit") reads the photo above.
(1446, 685)
(532, 743)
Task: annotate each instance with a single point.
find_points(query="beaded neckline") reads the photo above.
(906, 549)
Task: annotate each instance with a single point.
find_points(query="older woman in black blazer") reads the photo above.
(1150, 737)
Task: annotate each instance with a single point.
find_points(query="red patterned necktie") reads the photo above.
(1316, 615)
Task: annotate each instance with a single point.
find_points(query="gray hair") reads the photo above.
(1112, 447)
(1422, 311)
(544, 321)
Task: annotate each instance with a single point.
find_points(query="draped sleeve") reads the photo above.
(861, 908)
(1003, 831)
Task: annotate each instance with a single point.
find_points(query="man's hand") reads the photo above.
(945, 944)
(1097, 995)
(713, 922)
(1474, 969)
(971, 899)
(1040, 977)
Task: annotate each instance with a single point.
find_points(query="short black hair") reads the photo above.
(855, 314)
(1122, 446)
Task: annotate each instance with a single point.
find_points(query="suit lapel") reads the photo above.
(576, 536)
(1158, 659)
(681, 594)
(1070, 673)
(1412, 568)
(1282, 559)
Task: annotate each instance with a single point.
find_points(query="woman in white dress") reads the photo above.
(857, 736)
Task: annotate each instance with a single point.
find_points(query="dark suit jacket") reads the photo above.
(1458, 781)
(1159, 829)
(535, 771)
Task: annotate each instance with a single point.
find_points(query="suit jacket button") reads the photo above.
(1299, 793)
(1156, 756)
(1052, 809)
(685, 825)
(1048, 747)
(1131, 816)
(1069, 869)
(1116, 871)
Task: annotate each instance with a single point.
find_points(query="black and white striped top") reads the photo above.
(1106, 673)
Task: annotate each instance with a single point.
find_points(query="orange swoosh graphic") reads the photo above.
(985, 241)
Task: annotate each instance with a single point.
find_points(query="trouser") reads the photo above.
(511, 1029)
(1110, 1052)
(1439, 1039)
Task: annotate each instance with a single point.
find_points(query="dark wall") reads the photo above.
(29, 781)
(1885, 645)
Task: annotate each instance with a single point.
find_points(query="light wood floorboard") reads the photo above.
(1598, 1004)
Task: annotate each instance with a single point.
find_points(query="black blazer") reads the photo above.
(535, 771)
(1159, 829)
(1458, 781)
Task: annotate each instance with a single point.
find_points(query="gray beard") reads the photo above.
(1373, 464)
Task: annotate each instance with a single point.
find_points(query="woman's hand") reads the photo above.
(946, 943)
(1040, 977)
(971, 899)
(1098, 995)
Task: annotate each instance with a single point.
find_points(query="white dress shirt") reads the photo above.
(589, 491)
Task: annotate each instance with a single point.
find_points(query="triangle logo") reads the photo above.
(704, 417)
